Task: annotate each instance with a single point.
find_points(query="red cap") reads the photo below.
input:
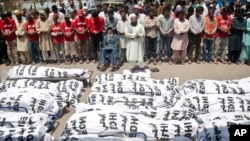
(80, 13)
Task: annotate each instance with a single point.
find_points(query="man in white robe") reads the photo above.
(121, 24)
(22, 42)
(135, 34)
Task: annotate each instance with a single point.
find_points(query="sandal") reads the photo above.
(143, 70)
(132, 70)
(102, 68)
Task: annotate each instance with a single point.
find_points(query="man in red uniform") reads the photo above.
(82, 37)
(3, 47)
(57, 38)
(68, 29)
(8, 30)
(96, 30)
(224, 23)
(30, 29)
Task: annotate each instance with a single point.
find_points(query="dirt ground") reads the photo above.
(184, 72)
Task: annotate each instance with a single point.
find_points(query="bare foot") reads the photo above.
(132, 70)
(143, 70)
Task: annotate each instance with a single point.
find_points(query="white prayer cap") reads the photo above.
(137, 6)
(133, 15)
(178, 8)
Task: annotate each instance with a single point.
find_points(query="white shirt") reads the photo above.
(205, 11)
(118, 15)
(61, 16)
(130, 7)
(121, 25)
(103, 15)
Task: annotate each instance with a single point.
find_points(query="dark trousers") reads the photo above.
(165, 48)
(207, 50)
(3, 50)
(151, 45)
(195, 43)
(96, 40)
(233, 56)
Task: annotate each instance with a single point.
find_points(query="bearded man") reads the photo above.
(135, 33)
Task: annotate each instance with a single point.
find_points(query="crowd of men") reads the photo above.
(153, 32)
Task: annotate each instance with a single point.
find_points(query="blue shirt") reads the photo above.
(110, 41)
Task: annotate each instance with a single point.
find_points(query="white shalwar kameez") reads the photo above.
(135, 45)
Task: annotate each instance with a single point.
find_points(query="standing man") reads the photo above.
(22, 42)
(57, 39)
(68, 28)
(196, 22)
(130, 4)
(224, 25)
(209, 35)
(71, 6)
(111, 21)
(3, 46)
(96, 30)
(166, 34)
(55, 11)
(120, 8)
(43, 27)
(86, 13)
(82, 35)
(180, 40)
(63, 10)
(30, 29)
(236, 37)
(135, 33)
(158, 8)
(151, 25)
(121, 24)
(147, 6)
(140, 16)
(104, 12)
(8, 31)
(72, 15)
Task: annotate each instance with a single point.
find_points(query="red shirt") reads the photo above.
(57, 28)
(1, 26)
(96, 25)
(210, 26)
(223, 23)
(81, 25)
(8, 26)
(68, 28)
(30, 26)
